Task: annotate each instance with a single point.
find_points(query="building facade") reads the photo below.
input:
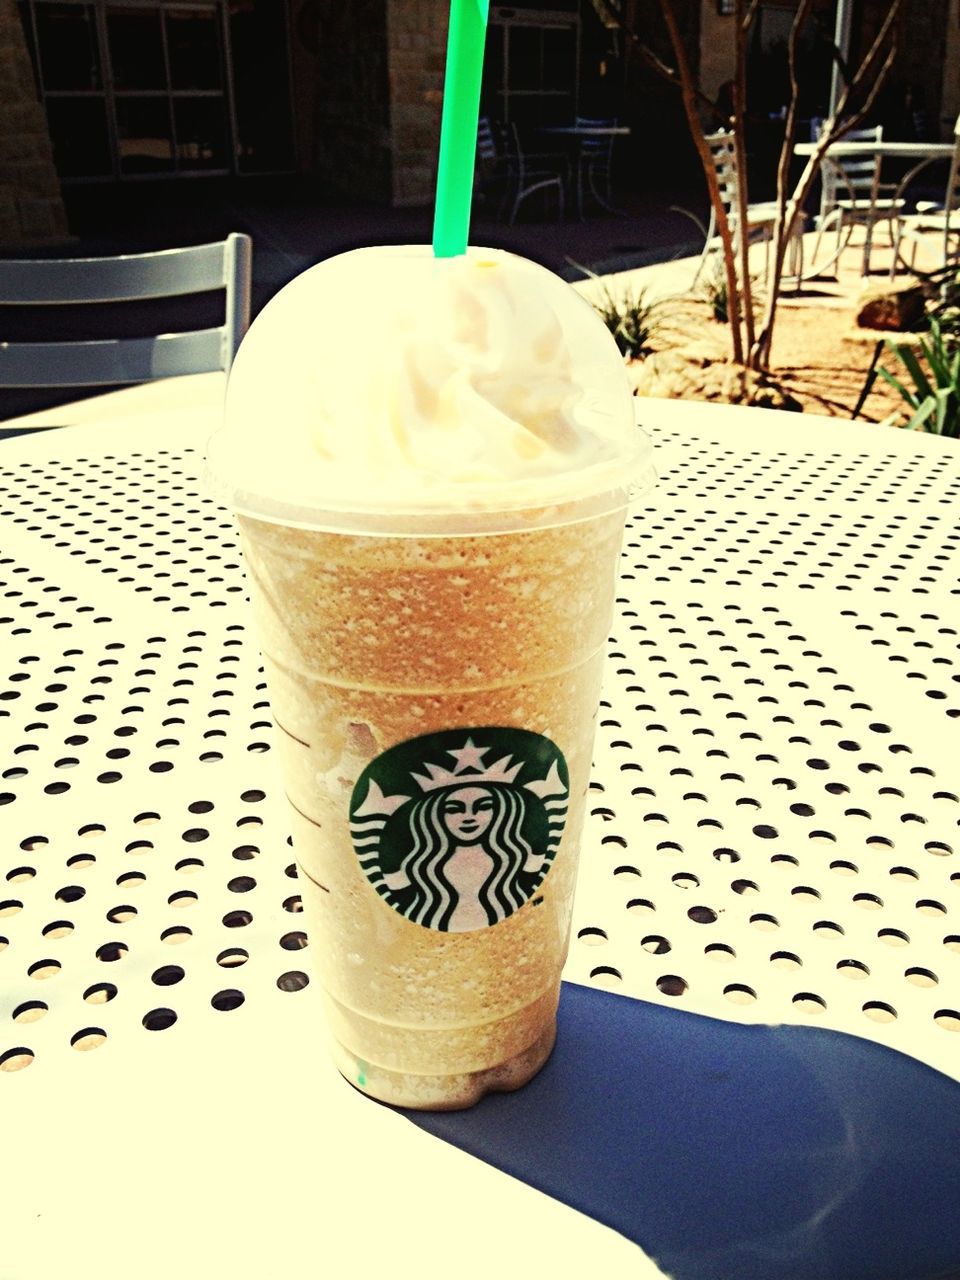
(350, 91)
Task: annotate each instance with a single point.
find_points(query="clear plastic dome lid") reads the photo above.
(400, 389)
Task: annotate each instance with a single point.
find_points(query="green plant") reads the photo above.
(935, 394)
(632, 318)
(714, 292)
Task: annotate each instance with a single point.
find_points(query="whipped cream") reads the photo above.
(386, 380)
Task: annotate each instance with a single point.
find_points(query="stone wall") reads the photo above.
(417, 44)
(31, 208)
(352, 139)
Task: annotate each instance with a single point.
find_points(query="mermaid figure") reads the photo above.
(469, 864)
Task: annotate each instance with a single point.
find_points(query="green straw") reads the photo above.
(458, 127)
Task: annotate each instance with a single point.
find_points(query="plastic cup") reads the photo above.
(433, 655)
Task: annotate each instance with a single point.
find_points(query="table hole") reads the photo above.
(948, 1019)
(250, 820)
(297, 940)
(112, 951)
(20, 874)
(738, 993)
(159, 1019)
(726, 855)
(10, 907)
(183, 898)
(121, 914)
(702, 915)
(243, 884)
(290, 871)
(894, 937)
(590, 937)
(147, 819)
(32, 843)
(296, 979)
(806, 893)
(809, 1002)
(234, 957)
(252, 797)
(43, 969)
(879, 1011)
(625, 869)
(293, 904)
(16, 1059)
(58, 929)
(921, 977)
(827, 929)
(656, 944)
(938, 848)
(176, 935)
(842, 868)
(671, 984)
(667, 846)
(4, 943)
(228, 999)
(951, 942)
(200, 806)
(168, 975)
(746, 888)
(853, 969)
(87, 1039)
(244, 852)
(930, 907)
(904, 874)
(764, 922)
(195, 835)
(30, 1011)
(867, 901)
(100, 993)
(720, 952)
(785, 960)
(139, 846)
(686, 880)
(237, 919)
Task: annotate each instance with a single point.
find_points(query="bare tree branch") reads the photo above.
(740, 160)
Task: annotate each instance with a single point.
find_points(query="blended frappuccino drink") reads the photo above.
(430, 462)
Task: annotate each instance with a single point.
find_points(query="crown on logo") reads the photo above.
(469, 769)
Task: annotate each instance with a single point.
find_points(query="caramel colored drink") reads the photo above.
(434, 668)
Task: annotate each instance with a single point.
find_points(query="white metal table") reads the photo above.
(772, 837)
(924, 153)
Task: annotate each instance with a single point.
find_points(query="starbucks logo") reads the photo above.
(457, 830)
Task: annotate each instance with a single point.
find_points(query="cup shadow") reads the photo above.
(733, 1152)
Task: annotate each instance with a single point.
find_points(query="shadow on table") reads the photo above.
(731, 1152)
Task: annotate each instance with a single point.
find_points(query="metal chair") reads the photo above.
(864, 202)
(761, 218)
(526, 175)
(127, 278)
(939, 219)
(595, 162)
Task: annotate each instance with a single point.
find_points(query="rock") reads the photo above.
(896, 309)
(678, 375)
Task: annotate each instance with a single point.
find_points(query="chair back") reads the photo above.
(723, 153)
(487, 149)
(601, 147)
(223, 265)
(856, 176)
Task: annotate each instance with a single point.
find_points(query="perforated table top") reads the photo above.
(773, 827)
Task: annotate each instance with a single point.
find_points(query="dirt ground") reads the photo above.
(820, 361)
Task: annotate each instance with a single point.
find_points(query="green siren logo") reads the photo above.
(457, 830)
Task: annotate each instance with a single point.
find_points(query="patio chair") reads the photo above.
(507, 172)
(127, 278)
(853, 195)
(595, 162)
(942, 220)
(761, 217)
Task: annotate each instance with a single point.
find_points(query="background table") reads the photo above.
(772, 833)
